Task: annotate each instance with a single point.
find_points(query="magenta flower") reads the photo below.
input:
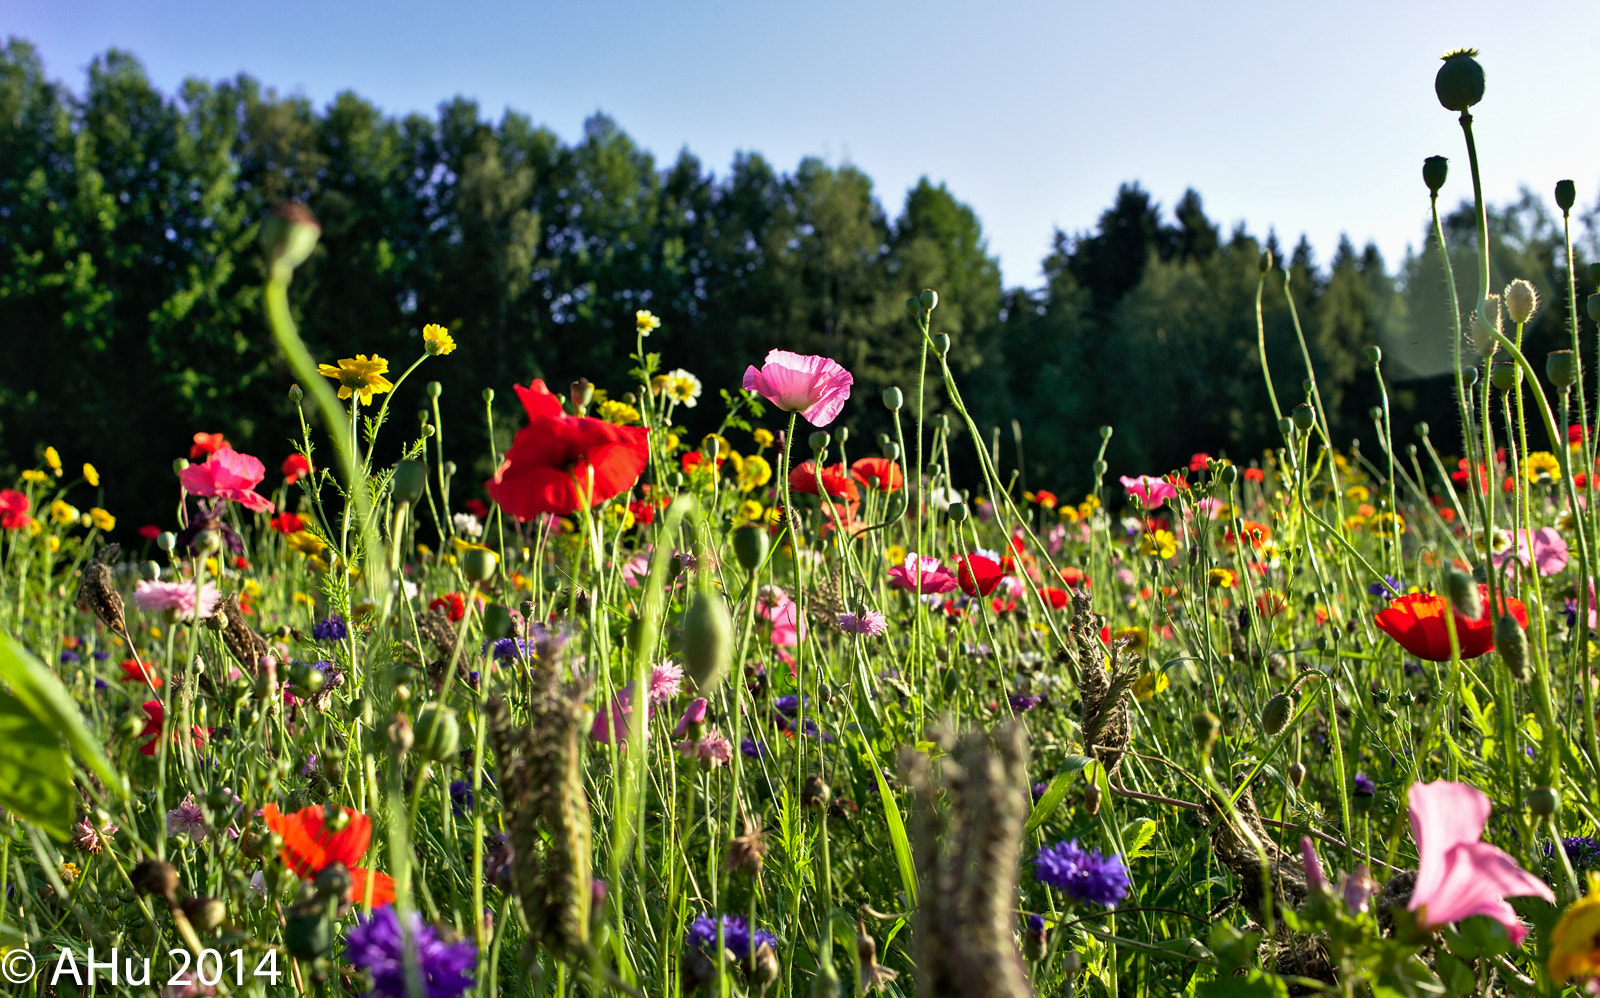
(228, 474)
(613, 725)
(788, 627)
(922, 575)
(1544, 548)
(813, 386)
(1458, 875)
(1315, 881)
(713, 749)
(693, 715)
(1150, 491)
(176, 598)
(666, 681)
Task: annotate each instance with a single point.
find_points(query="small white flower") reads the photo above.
(258, 887)
(468, 526)
(683, 387)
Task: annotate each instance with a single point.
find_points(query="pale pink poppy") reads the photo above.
(1545, 548)
(813, 386)
(921, 574)
(228, 474)
(1458, 875)
(1149, 490)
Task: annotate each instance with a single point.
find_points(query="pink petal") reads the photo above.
(1477, 879)
(1443, 816)
(1308, 858)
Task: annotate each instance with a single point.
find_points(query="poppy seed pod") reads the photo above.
(479, 564)
(1374, 355)
(488, 396)
(1593, 305)
(1463, 593)
(1459, 83)
(929, 299)
(707, 641)
(410, 478)
(1522, 300)
(1105, 433)
(914, 307)
(150, 570)
(1512, 644)
(1561, 367)
(1297, 773)
(1304, 417)
(1100, 468)
(893, 399)
(1434, 171)
(1228, 474)
(1544, 801)
(1265, 263)
(957, 512)
(1275, 715)
(433, 389)
(496, 621)
(1566, 195)
(288, 235)
(1285, 426)
(1375, 414)
(1505, 376)
(819, 441)
(750, 546)
(941, 344)
(437, 733)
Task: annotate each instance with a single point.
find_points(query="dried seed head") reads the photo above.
(156, 877)
(746, 853)
(1485, 323)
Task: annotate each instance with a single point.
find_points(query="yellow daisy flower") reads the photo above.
(305, 542)
(1357, 493)
(53, 460)
(1542, 468)
(63, 513)
(436, 340)
(1137, 638)
(1149, 684)
(360, 376)
(755, 473)
(895, 554)
(1159, 543)
(620, 413)
(1388, 525)
(645, 322)
(102, 519)
(1221, 578)
(750, 510)
(763, 438)
(91, 476)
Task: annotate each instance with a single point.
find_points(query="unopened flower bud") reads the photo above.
(1464, 594)
(1265, 263)
(1297, 773)
(296, 394)
(166, 540)
(1304, 417)
(1374, 355)
(1512, 644)
(1485, 323)
(150, 571)
(1505, 376)
(1206, 728)
(1375, 414)
(180, 465)
(1521, 300)
(957, 512)
(488, 396)
(437, 733)
(1099, 468)
(941, 344)
(750, 546)
(1459, 82)
(914, 307)
(819, 441)
(1275, 715)
(410, 479)
(1105, 433)
(1561, 367)
(929, 299)
(479, 565)
(1434, 171)
(400, 735)
(288, 234)
(1566, 195)
(707, 641)
(433, 389)
(1544, 801)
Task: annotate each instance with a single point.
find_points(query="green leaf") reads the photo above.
(35, 773)
(32, 682)
(1255, 984)
(897, 830)
(1136, 835)
(1056, 791)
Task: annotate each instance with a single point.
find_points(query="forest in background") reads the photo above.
(130, 285)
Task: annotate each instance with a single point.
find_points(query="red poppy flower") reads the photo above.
(878, 473)
(206, 443)
(1417, 622)
(978, 575)
(1252, 531)
(1057, 598)
(309, 847)
(131, 674)
(453, 604)
(835, 482)
(1270, 603)
(288, 523)
(1198, 461)
(13, 509)
(1002, 604)
(644, 513)
(149, 531)
(1046, 499)
(294, 468)
(478, 508)
(1076, 578)
(1575, 433)
(560, 464)
(1254, 475)
(154, 714)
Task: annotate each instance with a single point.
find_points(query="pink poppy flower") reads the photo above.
(1151, 492)
(1458, 875)
(1544, 548)
(228, 474)
(813, 386)
(922, 575)
(614, 725)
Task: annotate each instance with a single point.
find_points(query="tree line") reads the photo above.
(130, 285)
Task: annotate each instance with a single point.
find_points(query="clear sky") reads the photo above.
(1307, 118)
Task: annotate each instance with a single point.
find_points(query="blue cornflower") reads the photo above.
(1384, 591)
(736, 935)
(1084, 875)
(378, 946)
(1583, 852)
(100, 684)
(504, 649)
(460, 798)
(787, 705)
(1037, 791)
(1021, 703)
(332, 629)
(752, 748)
(69, 657)
(100, 654)
(1364, 786)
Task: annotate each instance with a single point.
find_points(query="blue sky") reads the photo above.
(1306, 118)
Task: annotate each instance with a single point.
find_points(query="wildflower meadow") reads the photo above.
(778, 710)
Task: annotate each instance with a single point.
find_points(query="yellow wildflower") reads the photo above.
(1134, 638)
(53, 543)
(1159, 543)
(360, 376)
(212, 567)
(33, 476)
(252, 588)
(155, 632)
(1149, 684)
(763, 438)
(436, 340)
(1575, 941)
(102, 519)
(1221, 578)
(620, 413)
(1354, 522)
(53, 460)
(750, 510)
(723, 448)
(895, 554)
(63, 513)
(1357, 493)
(645, 322)
(621, 513)
(755, 473)
(1388, 525)
(91, 476)
(424, 550)
(1068, 514)
(304, 599)
(1089, 503)
(670, 444)
(1542, 468)
(305, 542)
(70, 872)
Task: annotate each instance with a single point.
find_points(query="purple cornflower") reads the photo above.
(1383, 591)
(378, 946)
(1364, 786)
(331, 629)
(310, 766)
(1021, 703)
(1082, 874)
(100, 654)
(100, 684)
(1037, 791)
(69, 657)
(869, 622)
(752, 748)
(736, 936)
(504, 649)
(1583, 852)
(460, 798)
(787, 705)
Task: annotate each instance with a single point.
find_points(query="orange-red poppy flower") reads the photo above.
(878, 473)
(206, 443)
(154, 714)
(309, 847)
(294, 468)
(560, 464)
(1416, 621)
(978, 575)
